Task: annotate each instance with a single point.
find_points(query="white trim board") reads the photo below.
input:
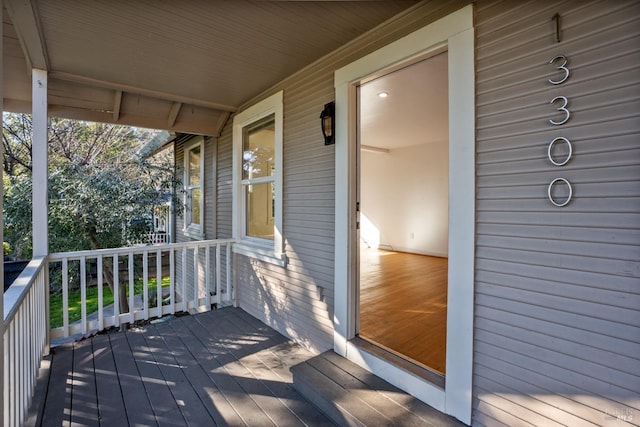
(454, 33)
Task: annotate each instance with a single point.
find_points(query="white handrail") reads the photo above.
(25, 338)
(198, 278)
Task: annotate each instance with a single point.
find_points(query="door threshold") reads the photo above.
(411, 366)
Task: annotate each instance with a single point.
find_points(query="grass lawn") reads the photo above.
(75, 306)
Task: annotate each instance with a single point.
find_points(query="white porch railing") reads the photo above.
(196, 274)
(25, 338)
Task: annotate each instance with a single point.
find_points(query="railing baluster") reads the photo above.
(207, 276)
(83, 293)
(218, 276)
(100, 293)
(14, 370)
(159, 282)
(116, 290)
(196, 277)
(210, 276)
(131, 289)
(65, 296)
(184, 280)
(26, 364)
(231, 293)
(172, 281)
(18, 362)
(24, 326)
(145, 284)
(20, 317)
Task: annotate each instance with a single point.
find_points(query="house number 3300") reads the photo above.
(561, 103)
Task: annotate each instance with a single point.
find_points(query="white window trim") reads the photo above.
(195, 231)
(261, 249)
(454, 32)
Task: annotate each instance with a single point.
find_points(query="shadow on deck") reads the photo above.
(222, 367)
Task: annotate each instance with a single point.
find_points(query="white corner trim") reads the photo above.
(454, 33)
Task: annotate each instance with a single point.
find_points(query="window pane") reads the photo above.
(258, 144)
(195, 206)
(194, 166)
(260, 204)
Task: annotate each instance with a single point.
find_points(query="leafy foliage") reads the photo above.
(101, 194)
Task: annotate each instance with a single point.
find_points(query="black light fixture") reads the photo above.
(327, 122)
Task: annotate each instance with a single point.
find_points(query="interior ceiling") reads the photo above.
(175, 65)
(416, 110)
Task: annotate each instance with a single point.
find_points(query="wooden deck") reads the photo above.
(217, 368)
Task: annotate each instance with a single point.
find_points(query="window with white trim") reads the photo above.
(193, 188)
(257, 181)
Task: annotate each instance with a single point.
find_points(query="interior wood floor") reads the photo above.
(403, 304)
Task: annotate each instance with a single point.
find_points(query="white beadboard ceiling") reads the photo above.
(174, 65)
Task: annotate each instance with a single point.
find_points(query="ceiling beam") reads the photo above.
(198, 127)
(117, 103)
(74, 78)
(224, 117)
(173, 114)
(26, 21)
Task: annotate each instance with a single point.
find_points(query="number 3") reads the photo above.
(563, 108)
(561, 67)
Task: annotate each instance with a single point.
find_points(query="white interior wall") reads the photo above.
(404, 199)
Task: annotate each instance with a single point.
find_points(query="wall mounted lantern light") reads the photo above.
(327, 122)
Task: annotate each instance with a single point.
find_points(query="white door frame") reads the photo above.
(455, 34)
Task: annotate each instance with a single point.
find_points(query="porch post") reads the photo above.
(40, 163)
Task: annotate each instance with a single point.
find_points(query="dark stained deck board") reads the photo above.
(290, 408)
(84, 403)
(337, 401)
(233, 387)
(137, 405)
(274, 363)
(353, 396)
(163, 403)
(169, 359)
(205, 369)
(217, 368)
(427, 413)
(202, 365)
(58, 394)
(272, 407)
(378, 401)
(111, 407)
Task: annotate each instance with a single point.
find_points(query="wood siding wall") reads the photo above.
(210, 202)
(557, 324)
(298, 300)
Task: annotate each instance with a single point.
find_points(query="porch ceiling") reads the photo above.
(181, 66)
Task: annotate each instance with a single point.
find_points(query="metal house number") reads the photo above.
(562, 67)
(561, 101)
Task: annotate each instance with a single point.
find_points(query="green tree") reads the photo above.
(101, 193)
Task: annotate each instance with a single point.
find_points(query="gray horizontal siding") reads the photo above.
(224, 194)
(298, 300)
(557, 320)
(209, 214)
(210, 185)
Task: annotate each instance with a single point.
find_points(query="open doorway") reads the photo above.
(403, 195)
